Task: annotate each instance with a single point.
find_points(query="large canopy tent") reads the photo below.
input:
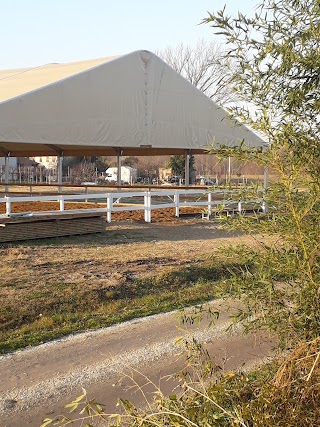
(134, 104)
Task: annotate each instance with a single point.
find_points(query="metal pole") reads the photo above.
(187, 168)
(59, 167)
(119, 159)
(6, 173)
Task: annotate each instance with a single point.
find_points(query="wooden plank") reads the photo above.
(16, 231)
(37, 216)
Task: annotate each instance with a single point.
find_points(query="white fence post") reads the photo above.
(61, 201)
(209, 204)
(176, 199)
(264, 207)
(239, 207)
(147, 206)
(109, 207)
(8, 205)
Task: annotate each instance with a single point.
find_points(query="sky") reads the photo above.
(36, 32)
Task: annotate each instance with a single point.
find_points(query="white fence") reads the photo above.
(210, 201)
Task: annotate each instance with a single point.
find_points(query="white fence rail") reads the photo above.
(218, 200)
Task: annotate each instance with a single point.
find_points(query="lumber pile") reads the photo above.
(38, 227)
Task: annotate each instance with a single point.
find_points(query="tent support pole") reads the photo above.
(59, 170)
(59, 153)
(119, 161)
(187, 168)
(6, 173)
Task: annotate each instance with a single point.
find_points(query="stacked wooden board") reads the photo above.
(27, 227)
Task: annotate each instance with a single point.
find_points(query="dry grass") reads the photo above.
(290, 397)
(297, 382)
(53, 287)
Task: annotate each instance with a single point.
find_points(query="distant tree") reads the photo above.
(192, 170)
(101, 163)
(208, 68)
(177, 164)
(79, 169)
(83, 171)
(131, 161)
(205, 66)
(70, 162)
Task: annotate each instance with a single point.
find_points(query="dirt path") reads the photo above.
(39, 381)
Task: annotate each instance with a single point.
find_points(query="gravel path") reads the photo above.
(38, 381)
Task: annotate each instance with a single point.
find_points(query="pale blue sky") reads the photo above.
(34, 32)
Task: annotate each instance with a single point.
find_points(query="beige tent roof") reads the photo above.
(135, 104)
(20, 81)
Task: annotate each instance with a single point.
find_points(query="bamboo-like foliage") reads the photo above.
(278, 53)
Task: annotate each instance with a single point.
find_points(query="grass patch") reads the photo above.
(31, 316)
